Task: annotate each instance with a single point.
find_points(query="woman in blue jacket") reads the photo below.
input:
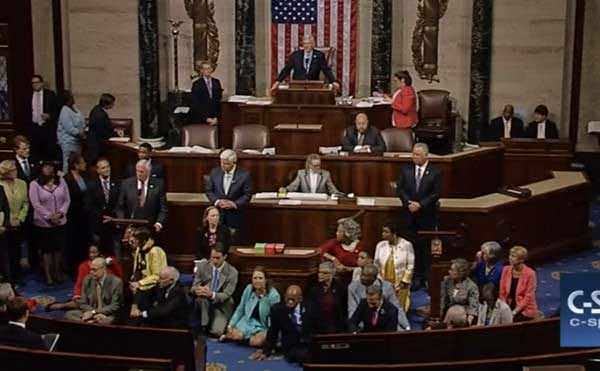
(70, 130)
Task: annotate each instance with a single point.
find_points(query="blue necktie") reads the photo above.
(215, 280)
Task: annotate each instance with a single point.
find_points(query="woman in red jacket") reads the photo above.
(404, 102)
(517, 286)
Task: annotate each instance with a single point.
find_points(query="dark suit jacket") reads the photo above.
(428, 194)
(240, 192)
(100, 130)
(203, 105)
(386, 321)
(171, 311)
(16, 336)
(77, 205)
(313, 303)
(157, 170)
(372, 138)
(51, 107)
(296, 63)
(551, 130)
(96, 205)
(495, 131)
(282, 323)
(155, 206)
(33, 170)
(223, 236)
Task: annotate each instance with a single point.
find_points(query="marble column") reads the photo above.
(245, 56)
(149, 72)
(381, 50)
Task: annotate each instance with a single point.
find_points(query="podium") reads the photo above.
(305, 92)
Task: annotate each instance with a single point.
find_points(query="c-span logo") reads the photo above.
(580, 310)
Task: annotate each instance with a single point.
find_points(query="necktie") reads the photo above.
(227, 182)
(26, 169)
(418, 177)
(98, 296)
(215, 280)
(306, 62)
(208, 86)
(374, 318)
(361, 139)
(105, 189)
(142, 195)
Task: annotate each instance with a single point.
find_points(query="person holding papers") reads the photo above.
(363, 138)
(313, 179)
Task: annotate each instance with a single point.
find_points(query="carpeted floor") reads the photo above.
(236, 357)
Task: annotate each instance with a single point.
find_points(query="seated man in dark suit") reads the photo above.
(206, 97)
(230, 189)
(307, 64)
(169, 303)
(289, 320)
(14, 333)
(145, 153)
(541, 127)
(505, 126)
(362, 137)
(374, 314)
(313, 179)
(326, 302)
(143, 197)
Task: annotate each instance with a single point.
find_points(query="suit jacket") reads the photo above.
(428, 194)
(551, 130)
(51, 107)
(501, 314)
(227, 280)
(296, 63)
(357, 292)
(33, 170)
(223, 236)
(372, 138)
(282, 323)
(313, 303)
(525, 295)
(240, 192)
(495, 130)
(387, 319)
(112, 295)
(155, 206)
(404, 108)
(97, 206)
(203, 104)
(77, 205)
(16, 336)
(169, 308)
(100, 130)
(157, 170)
(302, 183)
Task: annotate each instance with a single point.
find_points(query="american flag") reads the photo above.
(333, 23)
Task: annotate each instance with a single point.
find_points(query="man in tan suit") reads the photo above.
(313, 179)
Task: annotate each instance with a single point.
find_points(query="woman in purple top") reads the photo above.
(50, 199)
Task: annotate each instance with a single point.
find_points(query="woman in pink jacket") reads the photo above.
(404, 102)
(517, 286)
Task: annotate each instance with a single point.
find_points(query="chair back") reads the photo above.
(398, 140)
(434, 107)
(200, 135)
(250, 137)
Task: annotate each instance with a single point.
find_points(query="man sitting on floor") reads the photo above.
(374, 314)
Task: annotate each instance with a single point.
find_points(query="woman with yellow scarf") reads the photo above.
(395, 258)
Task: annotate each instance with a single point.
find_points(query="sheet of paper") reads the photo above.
(265, 195)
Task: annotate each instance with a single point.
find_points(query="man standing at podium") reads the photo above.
(307, 64)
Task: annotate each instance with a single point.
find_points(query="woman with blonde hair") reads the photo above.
(518, 285)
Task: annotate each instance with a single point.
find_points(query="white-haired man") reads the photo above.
(230, 189)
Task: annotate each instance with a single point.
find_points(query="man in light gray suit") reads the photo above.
(313, 179)
(101, 296)
(358, 291)
(214, 283)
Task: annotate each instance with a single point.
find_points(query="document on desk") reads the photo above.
(265, 196)
(365, 201)
(290, 202)
(308, 196)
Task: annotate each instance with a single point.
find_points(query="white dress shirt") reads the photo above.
(307, 56)
(541, 130)
(507, 127)
(228, 179)
(404, 258)
(143, 186)
(314, 181)
(20, 324)
(37, 107)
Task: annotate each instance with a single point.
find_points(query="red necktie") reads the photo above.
(374, 318)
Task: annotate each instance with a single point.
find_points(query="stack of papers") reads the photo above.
(265, 195)
(239, 98)
(308, 196)
(330, 150)
(364, 104)
(259, 102)
(365, 201)
(290, 202)
(120, 139)
(194, 149)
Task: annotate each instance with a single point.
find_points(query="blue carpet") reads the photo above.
(236, 357)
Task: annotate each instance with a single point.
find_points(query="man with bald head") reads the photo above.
(504, 126)
(362, 137)
(288, 318)
(101, 296)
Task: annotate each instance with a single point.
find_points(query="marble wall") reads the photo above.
(43, 40)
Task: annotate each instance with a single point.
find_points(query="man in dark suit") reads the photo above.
(419, 186)
(100, 128)
(142, 197)
(362, 137)
(44, 108)
(206, 97)
(230, 189)
(14, 333)
(374, 314)
(326, 302)
(26, 167)
(307, 64)
(101, 201)
(144, 152)
(541, 127)
(169, 306)
(505, 126)
(288, 319)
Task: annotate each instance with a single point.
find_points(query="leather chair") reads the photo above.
(253, 136)
(398, 140)
(436, 126)
(200, 135)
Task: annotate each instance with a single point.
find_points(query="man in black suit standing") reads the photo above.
(206, 97)
(100, 128)
(44, 110)
(505, 126)
(26, 168)
(144, 152)
(15, 333)
(230, 189)
(419, 186)
(541, 127)
(288, 319)
(362, 137)
(143, 197)
(307, 64)
(374, 314)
